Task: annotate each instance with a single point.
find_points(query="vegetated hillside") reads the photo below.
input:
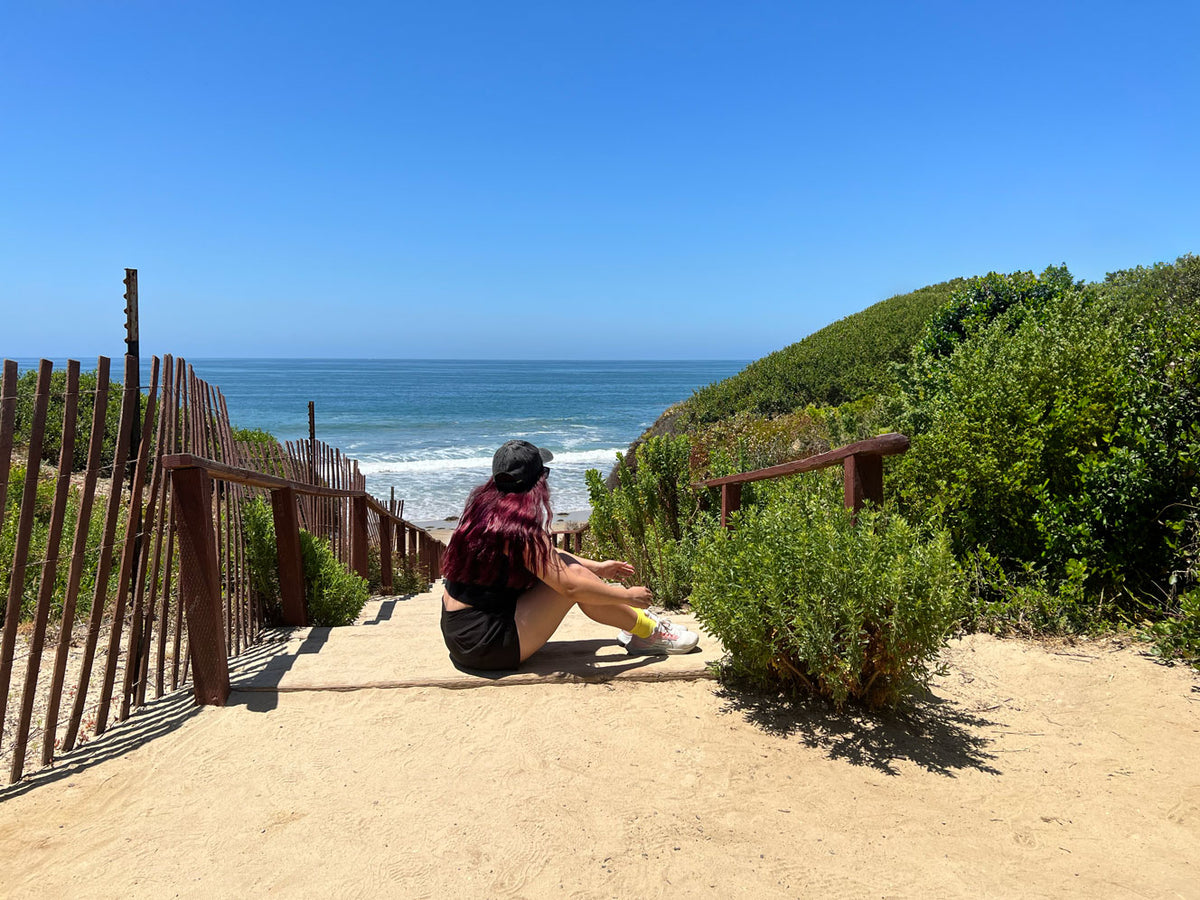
(1055, 456)
(844, 361)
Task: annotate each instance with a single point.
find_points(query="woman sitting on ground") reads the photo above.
(507, 588)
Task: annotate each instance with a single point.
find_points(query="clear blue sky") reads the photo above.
(556, 179)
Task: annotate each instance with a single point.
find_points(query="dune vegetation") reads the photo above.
(1055, 456)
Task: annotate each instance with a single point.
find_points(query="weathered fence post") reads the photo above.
(358, 535)
(385, 552)
(16, 576)
(425, 554)
(200, 585)
(291, 564)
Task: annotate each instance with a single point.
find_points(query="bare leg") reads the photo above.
(624, 617)
(541, 609)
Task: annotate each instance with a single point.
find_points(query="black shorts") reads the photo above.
(481, 639)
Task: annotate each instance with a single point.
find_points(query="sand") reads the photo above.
(1030, 770)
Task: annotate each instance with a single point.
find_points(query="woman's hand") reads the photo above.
(613, 569)
(639, 596)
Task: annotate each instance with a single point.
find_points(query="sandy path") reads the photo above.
(1029, 772)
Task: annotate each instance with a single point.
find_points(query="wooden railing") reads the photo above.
(862, 465)
(569, 539)
(191, 478)
(141, 527)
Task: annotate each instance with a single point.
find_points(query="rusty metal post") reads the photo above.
(358, 535)
(133, 348)
(291, 564)
(312, 442)
(200, 585)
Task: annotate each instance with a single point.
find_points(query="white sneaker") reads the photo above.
(666, 639)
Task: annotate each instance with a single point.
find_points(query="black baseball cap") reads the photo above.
(518, 465)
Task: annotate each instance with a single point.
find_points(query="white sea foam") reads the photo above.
(603, 458)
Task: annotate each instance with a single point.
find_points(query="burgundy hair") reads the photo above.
(501, 538)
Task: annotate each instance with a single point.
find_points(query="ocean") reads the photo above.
(428, 428)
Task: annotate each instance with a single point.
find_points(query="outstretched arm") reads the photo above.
(612, 569)
(575, 579)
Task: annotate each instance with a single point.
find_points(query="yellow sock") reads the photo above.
(645, 624)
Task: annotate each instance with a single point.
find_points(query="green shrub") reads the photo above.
(374, 569)
(52, 441)
(651, 518)
(1028, 601)
(1060, 435)
(254, 436)
(334, 595)
(406, 579)
(805, 600)
(39, 535)
(1177, 635)
(262, 558)
(976, 306)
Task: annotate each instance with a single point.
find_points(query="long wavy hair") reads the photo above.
(501, 539)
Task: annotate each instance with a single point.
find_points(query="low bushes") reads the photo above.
(333, 595)
(406, 578)
(38, 538)
(1054, 426)
(651, 518)
(262, 560)
(806, 600)
(1177, 635)
(52, 440)
(1055, 441)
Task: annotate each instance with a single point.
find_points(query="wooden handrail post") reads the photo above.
(291, 563)
(731, 502)
(385, 553)
(200, 585)
(862, 480)
(358, 535)
(424, 563)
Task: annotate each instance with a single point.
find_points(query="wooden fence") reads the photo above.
(135, 529)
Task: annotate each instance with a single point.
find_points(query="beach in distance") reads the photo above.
(428, 428)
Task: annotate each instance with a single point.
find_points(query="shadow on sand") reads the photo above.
(145, 724)
(929, 731)
(387, 609)
(583, 660)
